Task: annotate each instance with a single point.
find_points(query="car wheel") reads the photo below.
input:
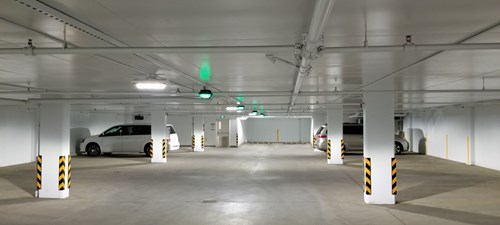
(146, 150)
(93, 149)
(398, 148)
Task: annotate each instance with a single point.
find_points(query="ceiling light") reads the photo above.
(231, 108)
(150, 83)
(205, 94)
(254, 113)
(240, 107)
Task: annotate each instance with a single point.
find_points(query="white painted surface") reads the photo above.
(242, 131)
(290, 129)
(335, 119)
(378, 145)
(210, 134)
(158, 134)
(18, 136)
(54, 142)
(233, 130)
(184, 127)
(481, 124)
(198, 132)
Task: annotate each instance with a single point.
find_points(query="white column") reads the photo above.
(379, 147)
(335, 119)
(199, 133)
(53, 182)
(233, 132)
(317, 121)
(159, 136)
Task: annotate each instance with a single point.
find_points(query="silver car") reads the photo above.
(353, 139)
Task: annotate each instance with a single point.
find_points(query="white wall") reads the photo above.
(18, 136)
(184, 127)
(290, 129)
(481, 125)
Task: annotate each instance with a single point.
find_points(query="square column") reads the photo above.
(53, 160)
(198, 134)
(335, 118)
(159, 136)
(233, 133)
(379, 148)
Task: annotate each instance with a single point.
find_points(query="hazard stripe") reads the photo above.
(368, 178)
(151, 148)
(202, 142)
(329, 150)
(39, 172)
(394, 178)
(69, 172)
(342, 148)
(164, 149)
(193, 142)
(62, 173)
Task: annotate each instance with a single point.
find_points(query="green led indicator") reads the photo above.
(241, 98)
(205, 72)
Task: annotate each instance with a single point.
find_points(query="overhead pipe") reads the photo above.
(322, 11)
(250, 93)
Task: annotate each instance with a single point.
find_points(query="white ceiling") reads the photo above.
(167, 23)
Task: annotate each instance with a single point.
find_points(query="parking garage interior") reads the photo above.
(231, 98)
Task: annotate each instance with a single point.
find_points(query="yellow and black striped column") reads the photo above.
(236, 139)
(342, 148)
(151, 148)
(62, 173)
(193, 142)
(368, 178)
(164, 149)
(314, 140)
(69, 172)
(329, 149)
(39, 172)
(394, 179)
(202, 142)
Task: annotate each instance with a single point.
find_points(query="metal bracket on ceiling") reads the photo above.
(30, 49)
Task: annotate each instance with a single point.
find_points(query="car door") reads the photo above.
(111, 139)
(136, 136)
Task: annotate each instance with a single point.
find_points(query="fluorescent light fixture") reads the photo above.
(254, 113)
(205, 94)
(150, 83)
(231, 108)
(240, 107)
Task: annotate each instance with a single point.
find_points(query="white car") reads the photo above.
(353, 138)
(126, 138)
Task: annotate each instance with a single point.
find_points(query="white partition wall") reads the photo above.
(466, 135)
(18, 127)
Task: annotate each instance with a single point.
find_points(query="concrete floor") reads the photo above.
(255, 184)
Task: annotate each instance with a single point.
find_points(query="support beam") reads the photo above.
(198, 134)
(159, 136)
(335, 118)
(378, 148)
(53, 160)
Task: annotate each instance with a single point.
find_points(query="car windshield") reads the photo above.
(319, 130)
